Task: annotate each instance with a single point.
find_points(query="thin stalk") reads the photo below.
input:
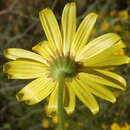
(60, 103)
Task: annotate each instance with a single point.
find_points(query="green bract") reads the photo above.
(64, 66)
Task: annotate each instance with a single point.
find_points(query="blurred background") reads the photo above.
(20, 28)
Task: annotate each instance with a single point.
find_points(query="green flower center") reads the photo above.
(64, 66)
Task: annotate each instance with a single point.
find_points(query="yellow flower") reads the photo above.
(127, 33)
(117, 28)
(68, 51)
(126, 126)
(66, 125)
(45, 123)
(123, 15)
(104, 26)
(104, 126)
(115, 126)
(55, 119)
(81, 123)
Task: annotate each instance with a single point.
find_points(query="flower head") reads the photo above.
(68, 51)
(124, 15)
(116, 126)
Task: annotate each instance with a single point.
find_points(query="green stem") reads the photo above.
(60, 103)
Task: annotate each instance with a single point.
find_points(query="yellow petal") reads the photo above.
(15, 53)
(85, 96)
(51, 28)
(43, 48)
(24, 69)
(97, 46)
(68, 26)
(52, 106)
(95, 88)
(109, 61)
(69, 100)
(83, 33)
(36, 91)
(106, 78)
(107, 54)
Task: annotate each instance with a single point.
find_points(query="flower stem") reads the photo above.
(60, 103)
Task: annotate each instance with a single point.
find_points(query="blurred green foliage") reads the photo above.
(20, 28)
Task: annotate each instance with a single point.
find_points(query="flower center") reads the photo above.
(64, 66)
